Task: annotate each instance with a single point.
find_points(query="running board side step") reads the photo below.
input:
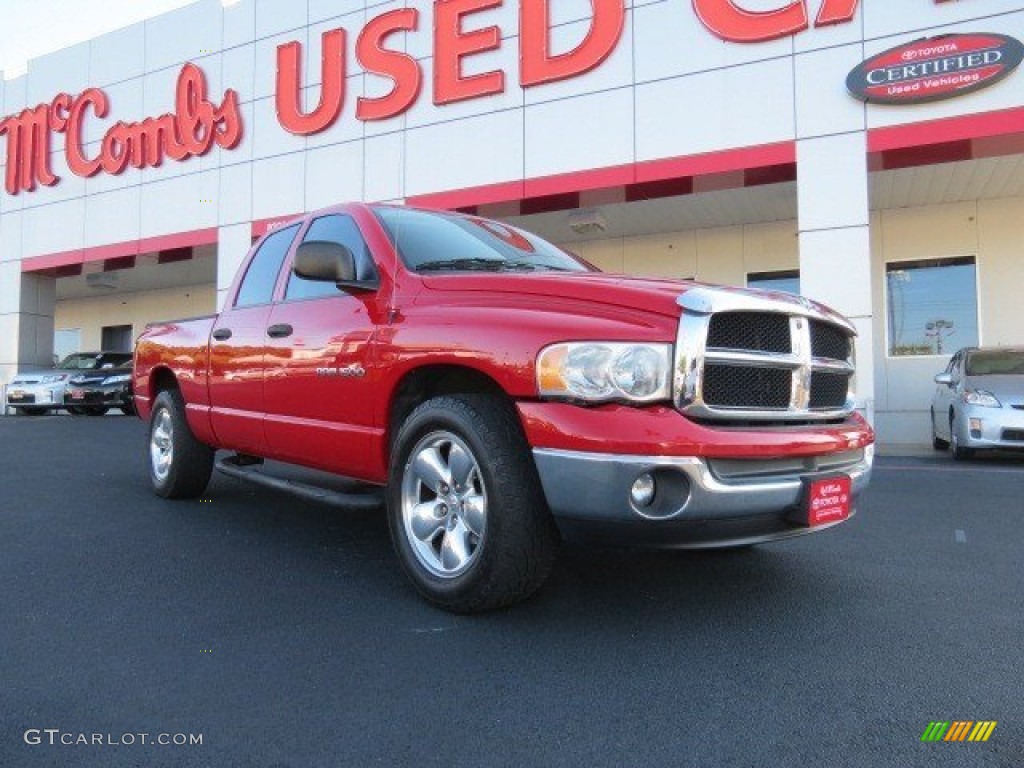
(369, 497)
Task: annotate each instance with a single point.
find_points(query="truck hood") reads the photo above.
(644, 294)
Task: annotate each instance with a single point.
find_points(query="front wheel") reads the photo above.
(937, 442)
(179, 465)
(959, 452)
(466, 510)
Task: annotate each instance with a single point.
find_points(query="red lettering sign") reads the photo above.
(735, 24)
(536, 63)
(400, 67)
(452, 43)
(190, 131)
(288, 93)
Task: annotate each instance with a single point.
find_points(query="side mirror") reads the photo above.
(944, 378)
(325, 262)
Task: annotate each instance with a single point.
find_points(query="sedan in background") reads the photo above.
(979, 401)
(36, 393)
(93, 393)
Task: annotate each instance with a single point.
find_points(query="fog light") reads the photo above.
(642, 492)
(975, 427)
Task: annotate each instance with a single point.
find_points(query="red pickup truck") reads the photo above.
(505, 394)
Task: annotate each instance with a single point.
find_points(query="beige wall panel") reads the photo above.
(135, 309)
(720, 256)
(606, 255)
(770, 247)
(929, 233)
(1001, 271)
(671, 255)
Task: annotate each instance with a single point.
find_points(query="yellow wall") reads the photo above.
(91, 314)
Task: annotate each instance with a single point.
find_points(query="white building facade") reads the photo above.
(711, 139)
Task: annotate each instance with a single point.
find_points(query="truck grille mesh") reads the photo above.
(734, 386)
(762, 364)
(757, 331)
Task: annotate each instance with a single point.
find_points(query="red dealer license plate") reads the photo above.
(77, 394)
(827, 500)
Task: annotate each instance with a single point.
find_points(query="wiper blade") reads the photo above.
(492, 265)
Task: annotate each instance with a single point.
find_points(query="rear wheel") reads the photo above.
(467, 514)
(33, 411)
(76, 410)
(179, 465)
(95, 410)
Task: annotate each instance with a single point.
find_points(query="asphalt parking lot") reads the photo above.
(284, 634)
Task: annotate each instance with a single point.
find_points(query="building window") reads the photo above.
(787, 281)
(932, 306)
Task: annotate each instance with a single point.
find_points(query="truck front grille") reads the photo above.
(744, 356)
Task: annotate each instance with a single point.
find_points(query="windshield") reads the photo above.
(436, 242)
(92, 361)
(995, 362)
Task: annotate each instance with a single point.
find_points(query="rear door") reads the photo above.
(238, 345)
(319, 375)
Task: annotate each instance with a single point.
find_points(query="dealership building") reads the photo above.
(868, 154)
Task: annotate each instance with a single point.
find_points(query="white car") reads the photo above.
(979, 401)
(37, 392)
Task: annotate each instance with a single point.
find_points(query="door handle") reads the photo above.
(279, 331)
(222, 334)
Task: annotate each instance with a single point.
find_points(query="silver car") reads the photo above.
(979, 401)
(41, 391)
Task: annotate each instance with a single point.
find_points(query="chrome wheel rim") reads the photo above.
(444, 504)
(161, 444)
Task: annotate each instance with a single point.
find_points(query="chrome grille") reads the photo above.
(744, 356)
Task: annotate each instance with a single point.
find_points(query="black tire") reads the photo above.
(75, 410)
(33, 411)
(95, 410)
(517, 542)
(959, 452)
(937, 442)
(129, 410)
(189, 462)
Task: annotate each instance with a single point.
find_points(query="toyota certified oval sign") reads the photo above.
(935, 68)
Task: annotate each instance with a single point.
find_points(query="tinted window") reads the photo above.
(995, 362)
(85, 361)
(335, 228)
(434, 242)
(932, 306)
(787, 281)
(258, 283)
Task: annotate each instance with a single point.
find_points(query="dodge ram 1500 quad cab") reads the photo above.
(504, 394)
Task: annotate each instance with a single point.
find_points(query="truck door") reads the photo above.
(318, 368)
(238, 346)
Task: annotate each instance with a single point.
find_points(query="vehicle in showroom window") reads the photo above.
(34, 393)
(94, 392)
(979, 401)
(501, 394)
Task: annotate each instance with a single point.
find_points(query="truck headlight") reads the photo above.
(982, 398)
(119, 379)
(599, 371)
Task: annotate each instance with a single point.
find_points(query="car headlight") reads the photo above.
(599, 371)
(122, 378)
(53, 378)
(982, 398)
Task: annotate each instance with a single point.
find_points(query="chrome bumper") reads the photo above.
(699, 503)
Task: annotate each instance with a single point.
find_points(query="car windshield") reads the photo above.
(995, 362)
(92, 361)
(448, 242)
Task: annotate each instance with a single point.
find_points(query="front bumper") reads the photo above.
(699, 502)
(1000, 428)
(48, 396)
(114, 396)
